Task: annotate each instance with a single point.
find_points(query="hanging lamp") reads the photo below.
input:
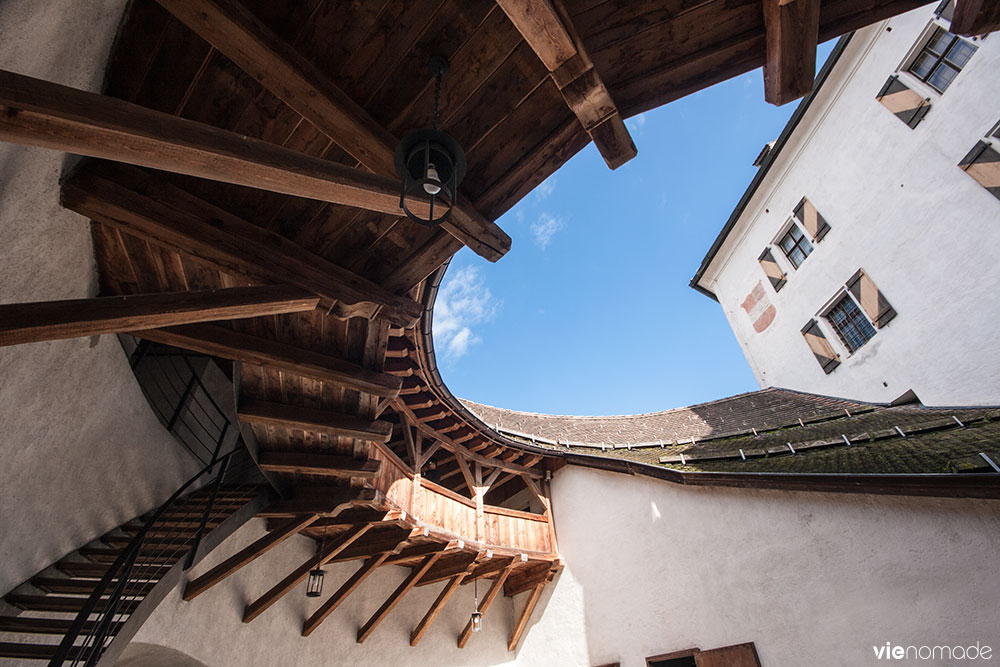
(477, 616)
(314, 584)
(431, 165)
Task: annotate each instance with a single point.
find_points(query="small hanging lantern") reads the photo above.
(431, 165)
(477, 616)
(314, 585)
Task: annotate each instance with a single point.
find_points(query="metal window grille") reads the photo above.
(795, 245)
(941, 59)
(850, 323)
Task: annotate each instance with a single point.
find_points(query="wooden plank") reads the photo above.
(325, 465)
(525, 615)
(542, 29)
(975, 17)
(140, 203)
(312, 419)
(342, 593)
(317, 499)
(463, 638)
(53, 320)
(230, 344)
(261, 604)
(425, 623)
(246, 556)
(49, 115)
(291, 77)
(366, 630)
(792, 30)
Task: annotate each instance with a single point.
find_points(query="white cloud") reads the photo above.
(545, 188)
(636, 123)
(545, 228)
(463, 302)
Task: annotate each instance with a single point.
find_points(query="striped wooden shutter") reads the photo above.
(771, 268)
(907, 105)
(814, 223)
(875, 305)
(983, 164)
(741, 655)
(820, 346)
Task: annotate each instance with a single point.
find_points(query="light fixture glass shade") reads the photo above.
(431, 166)
(477, 621)
(314, 584)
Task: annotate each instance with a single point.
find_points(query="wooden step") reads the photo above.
(98, 570)
(75, 586)
(61, 603)
(45, 626)
(154, 555)
(29, 651)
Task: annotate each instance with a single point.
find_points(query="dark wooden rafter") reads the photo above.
(548, 29)
(283, 71)
(792, 33)
(485, 603)
(324, 465)
(428, 453)
(40, 113)
(975, 17)
(407, 584)
(53, 320)
(425, 623)
(342, 593)
(268, 413)
(261, 604)
(229, 344)
(247, 555)
(139, 203)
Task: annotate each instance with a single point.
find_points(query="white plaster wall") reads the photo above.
(899, 207)
(81, 451)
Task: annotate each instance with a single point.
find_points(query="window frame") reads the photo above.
(785, 231)
(824, 317)
(910, 79)
(673, 655)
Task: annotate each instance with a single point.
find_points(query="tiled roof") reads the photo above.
(834, 435)
(761, 410)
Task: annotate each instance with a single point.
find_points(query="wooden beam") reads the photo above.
(53, 320)
(328, 501)
(342, 593)
(325, 465)
(522, 619)
(485, 603)
(429, 452)
(229, 344)
(40, 113)
(792, 30)
(291, 77)
(140, 203)
(463, 466)
(366, 630)
(311, 419)
(548, 29)
(488, 482)
(246, 556)
(432, 613)
(411, 446)
(975, 17)
(261, 604)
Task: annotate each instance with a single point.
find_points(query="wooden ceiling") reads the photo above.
(244, 205)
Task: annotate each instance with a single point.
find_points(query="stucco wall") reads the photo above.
(899, 207)
(813, 579)
(81, 451)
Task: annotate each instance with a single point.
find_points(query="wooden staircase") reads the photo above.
(48, 602)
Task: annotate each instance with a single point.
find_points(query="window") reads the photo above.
(850, 323)
(983, 162)
(795, 245)
(941, 59)
(673, 662)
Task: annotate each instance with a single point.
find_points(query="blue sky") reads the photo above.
(590, 312)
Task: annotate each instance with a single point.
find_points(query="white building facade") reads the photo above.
(864, 259)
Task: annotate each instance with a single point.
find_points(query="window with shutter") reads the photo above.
(906, 104)
(872, 301)
(820, 346)
(983, 164)
(941, 58)
(814, 223)
(771, 268)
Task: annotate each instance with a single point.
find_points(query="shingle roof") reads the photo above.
(833, 436)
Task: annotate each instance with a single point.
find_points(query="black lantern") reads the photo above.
(314, 585)
(431, 165)
(477, 616)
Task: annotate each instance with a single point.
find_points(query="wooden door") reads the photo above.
(740, 655)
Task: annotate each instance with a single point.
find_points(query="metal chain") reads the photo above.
(437, 96)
